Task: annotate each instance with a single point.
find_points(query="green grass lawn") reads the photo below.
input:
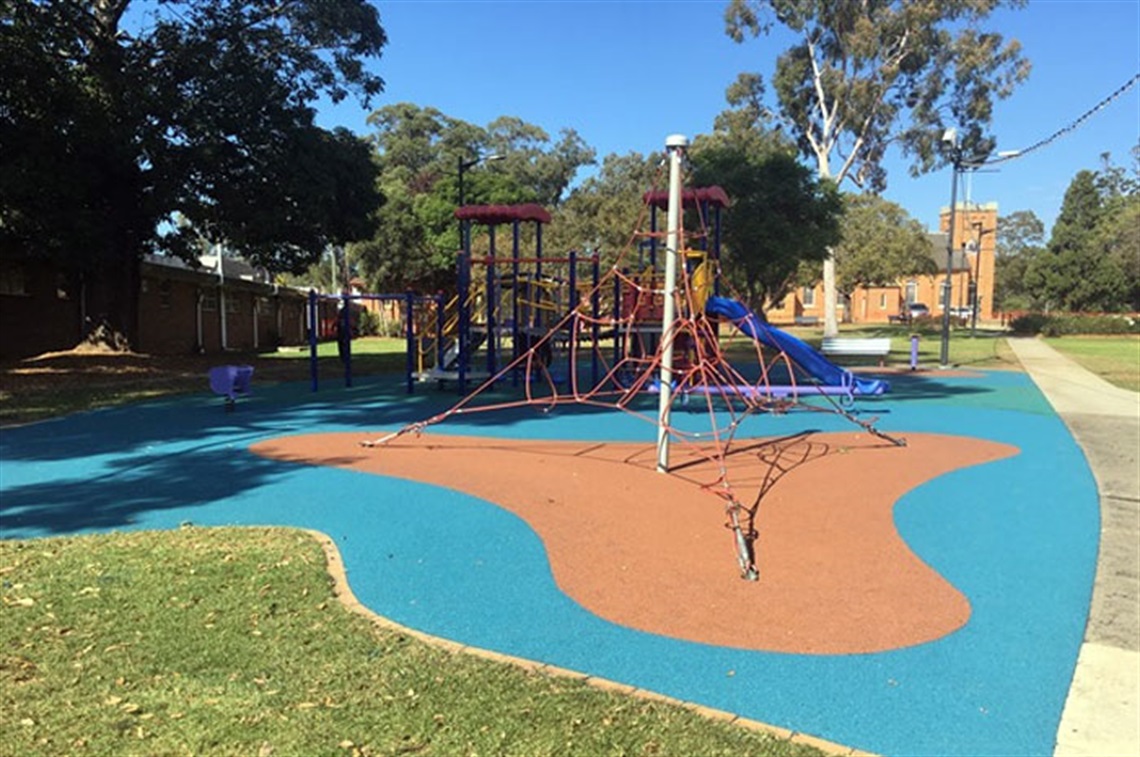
(67, 382)
(981, 349)
(1116, 359)
(230, 642)
(368, 349)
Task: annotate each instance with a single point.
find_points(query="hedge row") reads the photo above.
(1061, 325)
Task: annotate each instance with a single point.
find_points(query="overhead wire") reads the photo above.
(1070, 127)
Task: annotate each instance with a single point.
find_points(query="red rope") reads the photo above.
(729, 398)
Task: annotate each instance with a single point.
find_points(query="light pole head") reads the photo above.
(465, 164)
(676, 140)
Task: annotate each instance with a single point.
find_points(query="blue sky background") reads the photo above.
(625, 74)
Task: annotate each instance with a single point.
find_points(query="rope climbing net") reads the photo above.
(643, 357)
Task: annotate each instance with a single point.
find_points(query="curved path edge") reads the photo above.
(343, 592)
(1102, 711)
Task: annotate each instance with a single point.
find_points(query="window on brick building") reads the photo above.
(882, 300)
(809, 297)
(209, 301)
(912, 291)
(14, 281)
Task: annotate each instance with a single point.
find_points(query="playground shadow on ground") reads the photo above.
(376, 403)
(129, 488)
(116, 463)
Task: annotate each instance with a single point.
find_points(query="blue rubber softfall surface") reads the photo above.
(1017, 536)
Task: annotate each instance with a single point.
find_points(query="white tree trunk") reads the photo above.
(830, 297)
(830, 294)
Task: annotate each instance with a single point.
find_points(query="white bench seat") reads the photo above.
(850, 346)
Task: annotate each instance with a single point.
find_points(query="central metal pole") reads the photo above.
(944, 356)
(675, 144)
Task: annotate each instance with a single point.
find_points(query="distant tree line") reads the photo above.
(1091, 262)
(128, 128)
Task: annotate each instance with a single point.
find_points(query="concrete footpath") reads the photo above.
(1102, 712)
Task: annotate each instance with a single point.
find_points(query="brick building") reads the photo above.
(971, 269)
(181, 309)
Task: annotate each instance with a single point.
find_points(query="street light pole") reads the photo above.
(950, 136)
(463, 165)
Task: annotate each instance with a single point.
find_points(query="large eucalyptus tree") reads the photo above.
(864, 75)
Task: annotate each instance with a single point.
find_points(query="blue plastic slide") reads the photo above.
(815, 364)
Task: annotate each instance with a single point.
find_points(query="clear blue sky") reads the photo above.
(625, 74)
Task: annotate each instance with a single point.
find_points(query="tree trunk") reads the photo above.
(112, 319)
(830, 297)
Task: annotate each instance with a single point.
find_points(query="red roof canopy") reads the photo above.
(496, 214)
(713, 195)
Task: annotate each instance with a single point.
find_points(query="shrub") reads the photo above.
(368, 324)
(1029, 324)
(1074, 323)
(1090, 324)
(392, 327)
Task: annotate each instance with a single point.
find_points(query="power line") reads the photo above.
(1065, 130)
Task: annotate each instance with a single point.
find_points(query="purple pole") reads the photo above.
(313, 338)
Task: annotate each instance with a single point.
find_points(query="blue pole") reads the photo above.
(595, 307)
(572, 298)
(491, 297)
(617, 318)
(313, 338)
(410, 331)
(439, 313)
(464, 324)
(515, 302)
(538, 250)
(346, 335)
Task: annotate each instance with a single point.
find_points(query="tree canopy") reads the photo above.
(880, 244)
(600, 213)
(1090, 263)
(419, 151)
(116, 115)
(1020, 238)
(781, 216)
